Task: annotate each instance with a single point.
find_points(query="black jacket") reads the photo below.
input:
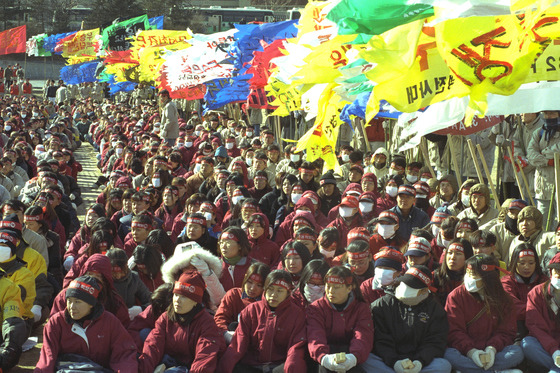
(418, 332)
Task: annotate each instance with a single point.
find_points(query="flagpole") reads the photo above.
(488, 175)
(475, 161)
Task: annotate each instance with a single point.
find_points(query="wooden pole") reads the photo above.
(425, 155)
(525, 181)
(488, 175)
(361, 125)
(514, 164)
(550, 205)
(475, 161)
(454, 162)
(557, 182)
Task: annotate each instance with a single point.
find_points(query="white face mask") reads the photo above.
(118, 151)
(5, 253)
(24, 115)
(393, 172)
(555, 282)
(326, 253)
(156, 182)
(197, 167)
(470, 284)
(384, 276)
(408, 295)
(424, 179)
(197, 133)
(249, 134)
(412, 178)
(386, 231)
(179, 145)
(8, 128)
(249, 162)
(113, 144)
(422, 196)
(236, 199)
(365, 207)
(229, 145)
(188, 144)
(345, 157)
(208, 216)
(346, 212)
(465, 199)
(435, 230)
(313, 292)
(296, 197)
(294, 157)
(391, 191)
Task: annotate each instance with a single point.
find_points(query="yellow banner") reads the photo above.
(314, 17)
(84, 43)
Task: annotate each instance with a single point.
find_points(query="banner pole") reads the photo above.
(525, 181)
(488, 175)
(550, 205)
(516, 174)
(475, 161)
(454, 162)
(425, 155)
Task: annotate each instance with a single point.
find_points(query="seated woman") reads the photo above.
(295, 257)
(526, 273)
(311, 285)
(263, 248)
(388, 267)
(450, 274)
(236, 299)
(147, 262)
(482, 321)
(542, 346)
(234, 248)
(340, 322)
(259, 342)
(84, 333)
(185, 337)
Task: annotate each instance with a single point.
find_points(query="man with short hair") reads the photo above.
(169, 118)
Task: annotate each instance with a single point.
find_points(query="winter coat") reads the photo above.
(326, 326)
(264, 337)
(376, 242)
(461, 308)
(232, 304)
(344, 228)
(521, 141)
(416, 219)
(167, 216)
(519, 290)
(102, 339)
(370, 294)
(541, 319)
(503, 240)
(422, 338)
(232, 275)
(263, 249)
(541, 240)
(197, 345)
(174, 266)
(539, 152)
(485, 217)
(145, 320)
(133, 291)
(16, 270)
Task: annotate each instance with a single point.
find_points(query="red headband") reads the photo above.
(49, 179)
(282, 283)
(316, 276)
(524, 253)
(185, 286)
(339, 280)
(419, 275)
(229, 236)
(456, 246)
(464, 225)
(358, 235)
(306, 171)
(10, 225)
(358, 256)
(488, 268)
(33, 217)
(292, 252)
(250, 206)
(137, 224)
(8, 237)
(140, 266)
(171, 191)
(85, 287)
(256, 278)
(390, 254)
(260, 178)
(301, 221)
(200, 221)
(305, 237)
(116, 269)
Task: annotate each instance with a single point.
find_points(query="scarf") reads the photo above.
(550, 127)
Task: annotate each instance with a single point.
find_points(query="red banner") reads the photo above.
(477, 125)
(13, 40)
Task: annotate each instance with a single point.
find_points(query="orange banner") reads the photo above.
(13, 40)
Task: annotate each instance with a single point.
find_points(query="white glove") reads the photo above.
(491, 353)
(228, 336)
(350, 362)
(68, 262)
(500, 139)
(474, 355)
(72, 197)
(200, 265)
(328, 362)
(36, 309)
(134, 311)
(556, 355)
(399, 365)
(417, 367)
(131, 263)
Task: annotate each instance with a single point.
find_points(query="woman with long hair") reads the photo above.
(311, 286)
(482, 320)
(234, 249)
(450, 274)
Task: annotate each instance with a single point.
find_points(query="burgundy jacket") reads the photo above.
(519, 290)
(231, 306)
(541, 320)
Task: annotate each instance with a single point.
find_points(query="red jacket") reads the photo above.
(461, 308)
(167, 216)
(129, 245)
(369, 293)
(326, 326)
(263, 249)
(197, 344)
(376, 242)
(519, 290)
(264, 336)
(541, 320)
(385, 203)
(178, 225)
(152, 283)
(107, 343)
(340, 224)
(232, 304)
(27, 88)
(230, 281)
(145, 320)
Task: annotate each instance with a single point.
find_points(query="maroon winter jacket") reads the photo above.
(384, 203)
(352, 326)
(343, 229)
(286, 230)
(230, 281)
(461, 308)
(107, 343)
(264, 336)
(263, 249)
(231, 305)
(541, 320)
(369, 293)
(167, 216)
(177, 227)
(515, 286)
(145, 320)
(197, 345)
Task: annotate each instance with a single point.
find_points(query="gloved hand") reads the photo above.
(399, 365)
(474, 355)
(68, 263)
(417, 367)
(491, 353)
(36, 309)
(523, 161)
(72, 197)
(134, 311)
(350, 362)
(551, 162)
(228, 336)
(328, 362)
(500, 139)
(556, 358)
(9, 356)
(200, 265)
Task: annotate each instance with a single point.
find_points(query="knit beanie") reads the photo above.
(191, 285)
(9, 238)
(84, 288)
(531, 212)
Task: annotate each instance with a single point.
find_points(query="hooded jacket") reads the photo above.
(519, 290)
(490, 212)
(382, 172)
(539, 152)
(174, 266)
(232, 304)
(286, 230)
(263, 249)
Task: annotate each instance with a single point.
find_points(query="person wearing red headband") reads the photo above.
(270, 334)
(196, 180)
(237, 298)
(525, 274)
(465, 227)
(479, 208)
(359, 259)
(339, 323)
(186, 336)
(169, 208)
(234, 251)
(410, 327)
(482, 321)
(530, 224)
(311, 285)
(388, 264)
(484, 242)
(450, 274)
(140, 228)
(262, 248)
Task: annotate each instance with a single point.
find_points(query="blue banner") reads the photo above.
(156, 23)
(80, 73)
(52, 40)
(220, 92)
